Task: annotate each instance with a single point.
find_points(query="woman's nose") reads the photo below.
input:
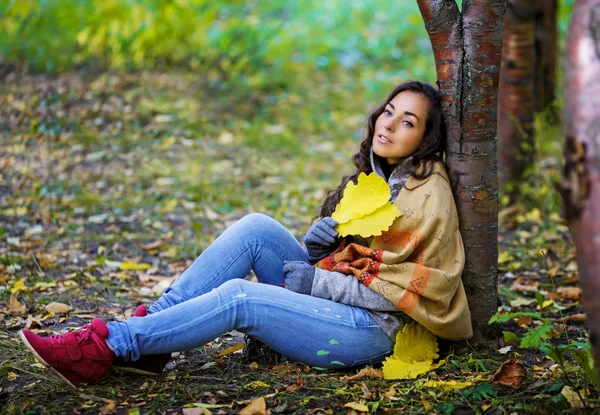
(389, 125)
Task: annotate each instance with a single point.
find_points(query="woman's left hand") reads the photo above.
(299, 276)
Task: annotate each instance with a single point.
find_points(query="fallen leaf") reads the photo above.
(524, 321)
(521, 302)
(510, 373)
(231, 349)
(151, 246)
(366, 392)
(288, 367)
(196, 411)
(572, 397)
(14, 306)
(58, 308)
(357, 406)
(578, 318)
(253, 365)
(294, 385)
(504, 350)
(414, 352)
(32, 323)
(18, 286)
(132, 266)
(367, 371)
(426, 404)
(533, 287)
(256, 407)
(569, 293)
(12, 376)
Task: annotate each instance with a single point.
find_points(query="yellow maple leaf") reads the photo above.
(365, 209)
(372, 224)
(414, 352)
(369, 193)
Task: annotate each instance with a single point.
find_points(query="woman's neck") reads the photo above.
(387, 168)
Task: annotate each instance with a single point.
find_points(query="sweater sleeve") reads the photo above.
(348, 290)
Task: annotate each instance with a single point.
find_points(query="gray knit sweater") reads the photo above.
(346, 289)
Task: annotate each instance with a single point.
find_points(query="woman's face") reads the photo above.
(400, 128)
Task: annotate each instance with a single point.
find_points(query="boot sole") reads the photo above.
(42, 361)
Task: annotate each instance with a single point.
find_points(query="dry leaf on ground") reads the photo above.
(569, 293)
(510, 373)
(578, 318)
(256, 407)
(57, 308)
(14, 306)
(368, 372)
(572, 397)
(151, 246)
(357, 406)
(231, 349)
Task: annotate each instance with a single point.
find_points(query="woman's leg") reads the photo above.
(255, 242)
(310, 330)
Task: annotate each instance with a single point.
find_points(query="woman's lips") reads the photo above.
(383, 139)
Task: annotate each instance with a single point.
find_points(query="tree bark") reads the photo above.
(580, 187)
(546, 53)
(516, 95)
(467, 48)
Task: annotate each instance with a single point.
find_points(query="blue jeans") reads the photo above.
(212, 298)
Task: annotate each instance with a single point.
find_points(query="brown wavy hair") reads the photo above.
(432, 147)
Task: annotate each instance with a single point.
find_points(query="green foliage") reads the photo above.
(580, 352)
(266, 45)
(504, 317)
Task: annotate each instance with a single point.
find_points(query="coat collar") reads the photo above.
(398, 177)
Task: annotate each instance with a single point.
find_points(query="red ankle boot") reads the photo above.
(79, 357)
(151, 365)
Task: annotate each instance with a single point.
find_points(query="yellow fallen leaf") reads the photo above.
(425, 404)
(231, 349)
(545, 304)
(414, 352)
(12, 376)
(357, 406)
(256, 407)
(354, 203)
(572, 397)
(57, 308)
(132, 266)
(18, 286)
(372, 224)
(447, 385)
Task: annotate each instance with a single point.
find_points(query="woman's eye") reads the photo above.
(387, 112)
(408, 123)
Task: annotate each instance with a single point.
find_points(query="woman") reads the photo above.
(348, 296)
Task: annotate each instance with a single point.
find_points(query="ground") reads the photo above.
(113, 184)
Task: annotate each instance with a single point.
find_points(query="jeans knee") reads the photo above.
(235, 286)
(256, 221)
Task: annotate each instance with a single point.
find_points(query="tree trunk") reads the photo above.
(467, 48)
(516, 95)
(580, 187)
(546, 47)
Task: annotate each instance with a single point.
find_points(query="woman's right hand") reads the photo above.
(321, 239)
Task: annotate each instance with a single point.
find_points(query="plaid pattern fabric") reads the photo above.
(417, 263)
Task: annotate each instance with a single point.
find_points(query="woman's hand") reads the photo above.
(299, 276)
(321, 239)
